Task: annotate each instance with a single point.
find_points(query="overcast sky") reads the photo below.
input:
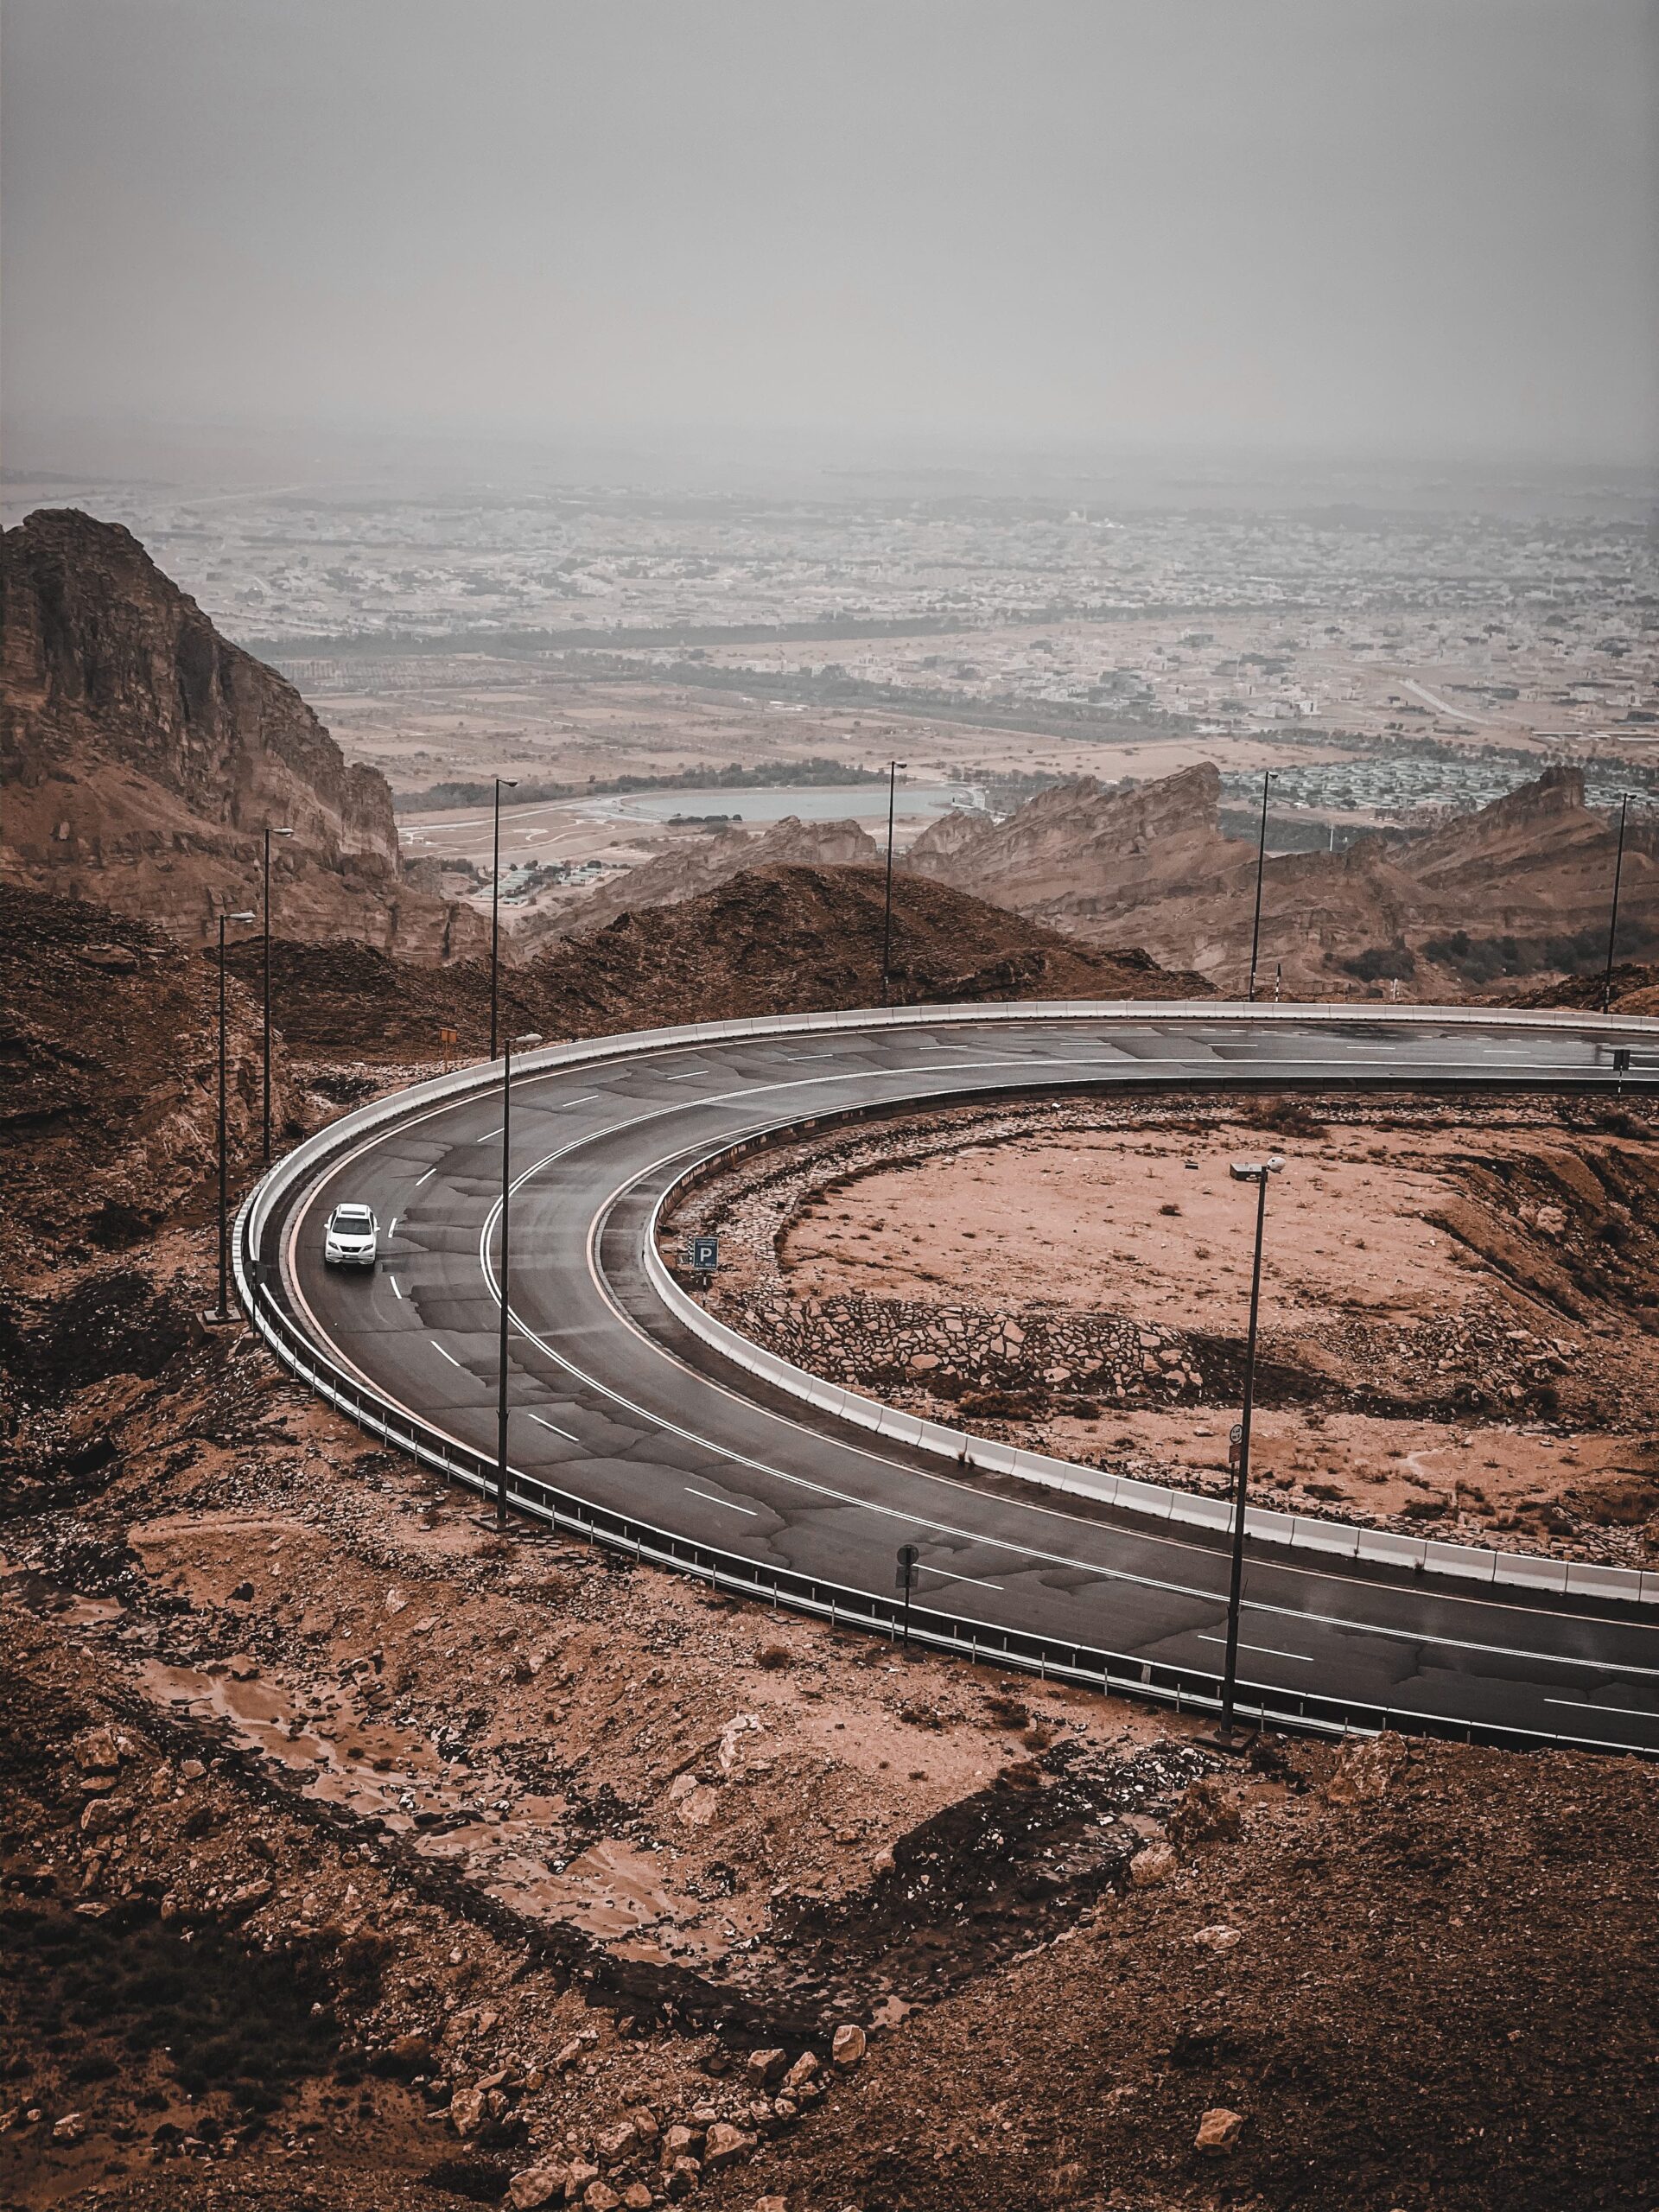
(1375, 227)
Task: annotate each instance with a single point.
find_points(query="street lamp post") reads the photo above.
(1261, 864)
(514, 1044)
(1612, 923)
(507, 782)
(264, 1149)
(894, 767)
(1256, 1172)
(222, 1311)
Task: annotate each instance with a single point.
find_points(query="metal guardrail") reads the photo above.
(1185, 1690)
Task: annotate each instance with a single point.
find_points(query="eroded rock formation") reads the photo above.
(1151, 867)
(143, 754)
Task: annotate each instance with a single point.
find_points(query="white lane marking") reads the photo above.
(395, 1293)
(688, 1075)
(945, 1575)
(427, 1178)
(449, 1356)
(1584, 1705)
(586, 1099)
(893, 1513)
(754, 1511)
(798, 1056)
(1267, 1651)
(391, 1226)
(556, 1430)
(1091, 1567)
(488, 1137)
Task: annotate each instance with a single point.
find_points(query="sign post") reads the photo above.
(908, 1555)
(448, 1037)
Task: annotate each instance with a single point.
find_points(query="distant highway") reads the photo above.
(617, 1407)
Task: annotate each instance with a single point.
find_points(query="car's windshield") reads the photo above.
(352, 1217)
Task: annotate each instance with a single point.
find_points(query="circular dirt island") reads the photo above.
(1460, 1304)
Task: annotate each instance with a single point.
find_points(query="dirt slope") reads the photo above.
(1636, 990)
(109, 1107)
(143, 756)
(1427, 1983)
(776, 940)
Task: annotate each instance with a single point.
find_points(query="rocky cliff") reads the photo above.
(1151, 867)
(1077, 855)
(143, 754)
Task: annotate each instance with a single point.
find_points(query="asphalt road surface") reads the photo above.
(615, 1404)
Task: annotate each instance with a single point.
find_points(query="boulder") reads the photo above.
(1154, 1864)
(1218, 1938)
(103, 1816)
(536, 2186)
(764, 2067)
(1367, 1770)
(616, 2142)
(849, 2045)
(468, 2110)
(96, 1750)
(806, 2069)
(726, 2142)
(1219, 2131)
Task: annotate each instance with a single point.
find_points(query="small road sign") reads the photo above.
(1236, 1433)
(705, 1254)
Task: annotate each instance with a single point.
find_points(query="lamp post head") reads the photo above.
(285, 831)
(524, 1043)
(1254, 1170)
(248, 917)
(506, 782)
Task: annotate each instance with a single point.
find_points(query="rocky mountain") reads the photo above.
(696, 866)
(143, 754)
(774, 940)
(1523, 885)
(1078, 854)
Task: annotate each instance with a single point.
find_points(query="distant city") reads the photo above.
(1392, 665)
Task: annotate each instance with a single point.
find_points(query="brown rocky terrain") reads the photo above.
(109, 1043)
(775, 940)
(1150, 866)
(692, 868)
(1634, 990)
(142, 755)
(351, 1856)
(1460, 1318)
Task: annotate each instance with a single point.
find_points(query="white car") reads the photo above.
(351, 1239)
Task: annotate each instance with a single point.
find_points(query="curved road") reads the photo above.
(615, 1404)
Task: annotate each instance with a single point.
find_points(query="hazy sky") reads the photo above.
(1411, 227)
